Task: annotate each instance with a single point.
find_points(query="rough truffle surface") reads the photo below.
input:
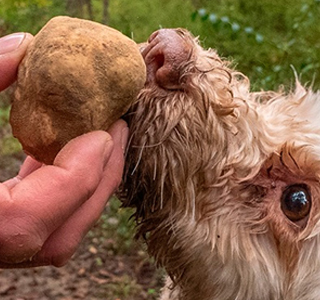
(77, 76)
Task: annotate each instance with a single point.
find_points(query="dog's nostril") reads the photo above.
(159, 60)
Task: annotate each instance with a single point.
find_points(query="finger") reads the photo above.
(47, 197)
(12, 50)
(29, 166)
(63, 243)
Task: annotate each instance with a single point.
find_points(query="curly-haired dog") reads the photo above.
(225, 181)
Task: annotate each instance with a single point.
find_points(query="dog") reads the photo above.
(225, 181)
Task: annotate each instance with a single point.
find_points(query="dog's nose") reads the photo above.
(165, 55)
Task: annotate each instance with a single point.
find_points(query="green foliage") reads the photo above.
(4, 115)
(28, 15)
(124, 289)
(138, 19)
(152, 291)
(9, 145)
(117, 228)
(265, 38)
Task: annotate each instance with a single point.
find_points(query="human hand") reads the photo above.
(12, 50)
(46, 210)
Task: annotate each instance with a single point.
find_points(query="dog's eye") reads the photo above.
(296, 202)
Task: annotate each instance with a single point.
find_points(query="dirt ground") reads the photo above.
(95, 271)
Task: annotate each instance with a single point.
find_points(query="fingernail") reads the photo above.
(11, 42)
(124, 138)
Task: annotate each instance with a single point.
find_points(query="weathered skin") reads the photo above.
(77, 76)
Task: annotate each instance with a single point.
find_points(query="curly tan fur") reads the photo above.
(207, 164)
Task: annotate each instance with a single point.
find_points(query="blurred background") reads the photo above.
(265, 39)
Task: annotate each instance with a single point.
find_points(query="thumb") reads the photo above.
(90, 150)
(12, 50)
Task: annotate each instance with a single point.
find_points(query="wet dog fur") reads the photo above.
(225, 181)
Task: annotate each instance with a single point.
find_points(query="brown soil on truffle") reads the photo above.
(77, 76)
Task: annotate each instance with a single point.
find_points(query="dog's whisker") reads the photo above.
(139, 159)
